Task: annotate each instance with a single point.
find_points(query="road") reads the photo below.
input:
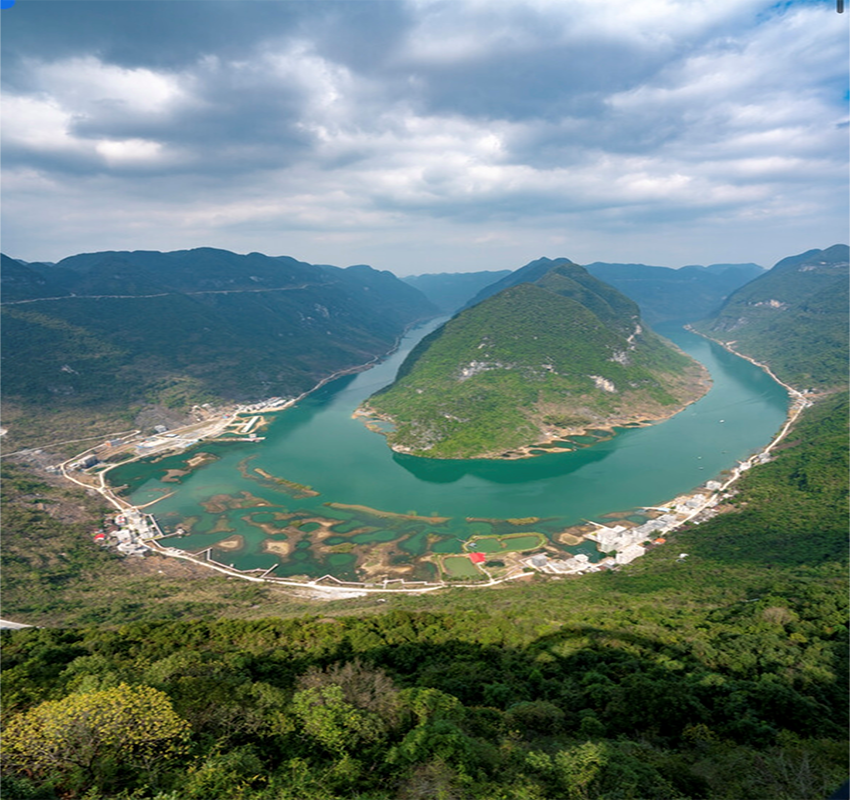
(163, 294)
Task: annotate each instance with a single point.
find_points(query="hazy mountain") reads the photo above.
(663, 294)
(449, 291)
(534, 362)
(676, 295)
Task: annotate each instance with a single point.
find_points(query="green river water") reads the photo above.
(318, 444)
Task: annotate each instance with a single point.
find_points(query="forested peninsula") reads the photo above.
(540, 361)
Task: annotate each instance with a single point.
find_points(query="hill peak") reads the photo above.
(537, 361)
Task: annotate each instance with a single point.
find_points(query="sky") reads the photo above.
(426, 135)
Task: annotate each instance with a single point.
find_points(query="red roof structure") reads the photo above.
(477, 558)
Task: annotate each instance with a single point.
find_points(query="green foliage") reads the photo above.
(332, 722)
(794, 317)
(527, 357)
(93, 731)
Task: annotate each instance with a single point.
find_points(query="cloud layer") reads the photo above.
(426, 135)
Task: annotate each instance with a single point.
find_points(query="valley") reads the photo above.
(366, 544)
(671, 543)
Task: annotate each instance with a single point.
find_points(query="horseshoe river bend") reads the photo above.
(322, 494)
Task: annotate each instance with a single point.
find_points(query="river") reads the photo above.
(318, 444)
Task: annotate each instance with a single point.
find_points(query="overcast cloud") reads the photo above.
(429, 135)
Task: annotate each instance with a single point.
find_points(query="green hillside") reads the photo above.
(530, 273)
(531, 363)
(794, 317)
(114, 331)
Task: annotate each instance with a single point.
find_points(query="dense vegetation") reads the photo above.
(562, 354)
(794, 317)
(130, 329)
(722, 675)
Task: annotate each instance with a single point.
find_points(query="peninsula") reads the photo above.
(538, 363)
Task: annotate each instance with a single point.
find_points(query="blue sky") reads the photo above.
(426, 135)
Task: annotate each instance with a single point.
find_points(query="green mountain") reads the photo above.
(795, 317)
(676, 295)
(449, 291)
(663, 294)
(533, 363)
(531, 272)
(112, 330)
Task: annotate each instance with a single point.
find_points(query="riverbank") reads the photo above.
(628, 469)
(552, 439)
(417, 427)
(631, 543)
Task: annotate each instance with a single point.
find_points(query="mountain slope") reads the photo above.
(117, 329)
(530, 273)
(532, 363)
(795, 317)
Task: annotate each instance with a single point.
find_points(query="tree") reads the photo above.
(129, 724)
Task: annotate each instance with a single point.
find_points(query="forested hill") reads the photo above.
(533, 362)
(794, 317)
(663, 294)
(530, 273)
(105, 331)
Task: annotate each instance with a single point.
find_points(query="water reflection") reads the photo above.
(525, 470)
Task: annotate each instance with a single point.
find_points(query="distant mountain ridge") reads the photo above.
(794, 317)
(676, 295)
(538, 360)
(175, 328)
(449, 291)
(663, 294)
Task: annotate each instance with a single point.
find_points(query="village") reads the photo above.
(630, 542)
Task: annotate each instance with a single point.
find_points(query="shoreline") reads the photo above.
(702, 379)
(339, 589)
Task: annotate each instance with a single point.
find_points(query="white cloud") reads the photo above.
(129, 151)
(38, 123)
(495, 118)
(93, 88)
